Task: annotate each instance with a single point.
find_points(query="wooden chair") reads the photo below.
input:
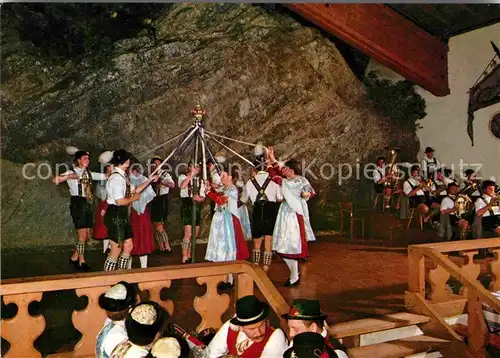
(346, 209)
(414, 212)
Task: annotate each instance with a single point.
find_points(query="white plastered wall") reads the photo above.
(445, 126)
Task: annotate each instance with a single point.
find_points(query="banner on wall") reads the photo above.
(484, 93)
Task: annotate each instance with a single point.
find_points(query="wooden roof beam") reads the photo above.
(386, 36)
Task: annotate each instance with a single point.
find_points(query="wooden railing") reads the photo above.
(430, 290)
(22, 330)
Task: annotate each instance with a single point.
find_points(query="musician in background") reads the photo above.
(431, 163)
(413, 187)
(471, 181)
(487, 208)
(381, 180)
(441, 182)
(453, 223)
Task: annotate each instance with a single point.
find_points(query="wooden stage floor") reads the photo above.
(350, 279)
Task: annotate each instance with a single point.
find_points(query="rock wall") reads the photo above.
(261, 76)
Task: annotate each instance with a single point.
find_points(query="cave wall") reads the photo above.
(260, 75)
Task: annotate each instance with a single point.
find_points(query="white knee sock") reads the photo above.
(105, 245)
(230, 278)
(293, 265)
(129, 265)
(144, 261)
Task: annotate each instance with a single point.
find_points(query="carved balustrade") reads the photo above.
(451, 278)
(23, 329)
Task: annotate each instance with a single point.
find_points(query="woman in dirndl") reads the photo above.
(242, 208)
(226, 241)
(140, 218)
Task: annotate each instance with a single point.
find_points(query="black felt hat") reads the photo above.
(305, 310)
(120, 156)
(144, 322)
(429, 150)
(309, 345)
(250, 310)
(118, 298)
(452, 184)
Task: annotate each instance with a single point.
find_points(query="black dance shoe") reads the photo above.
(289, 284)
(83, 267)
(73, 262)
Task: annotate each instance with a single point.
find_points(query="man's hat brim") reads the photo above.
(259, 318)
(288, 316)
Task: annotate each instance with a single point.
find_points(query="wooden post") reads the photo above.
(22, 330)
(476, 325)
(89, 321)
(244, 285)
(416, 271)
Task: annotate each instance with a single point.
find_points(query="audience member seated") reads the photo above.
(305, 316)
(310, 345)
(248, 334)
(116, 302)
(143, 324)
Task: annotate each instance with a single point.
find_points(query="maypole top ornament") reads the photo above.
(198, 112)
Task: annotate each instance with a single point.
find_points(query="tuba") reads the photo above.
(463, 205)
(392, 168)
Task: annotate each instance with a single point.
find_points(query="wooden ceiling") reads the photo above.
(447, 20)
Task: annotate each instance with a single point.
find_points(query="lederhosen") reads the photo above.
(254, 351)
(159, 204)
(116, 218)
(264, 212)
(80, 207)
(490, 222)
(416, 200)
(379, 188)
(187, 206)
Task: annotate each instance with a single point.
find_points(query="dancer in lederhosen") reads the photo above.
(242, 208)
(293, 229)
(79, 181)
(159, 205)
(265, 196)
(226, 241)
(120, 194)
(140, 218)
(100, 231)
(188, 199)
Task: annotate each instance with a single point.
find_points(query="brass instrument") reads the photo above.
(463, 205)
(469, 188)
(392, 170)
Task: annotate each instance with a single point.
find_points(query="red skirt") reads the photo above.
(142, 233)
(242, 252)
(303, 239)
(100, 230)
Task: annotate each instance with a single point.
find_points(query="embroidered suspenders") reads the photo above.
(261, 190)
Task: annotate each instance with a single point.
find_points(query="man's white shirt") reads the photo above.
(378, 174)
(407, 187)
(482, 202)
(73, 184)
(185, 191)
(274, 348)
(116, 186)
(273, 190)
(166, 178)
(446, 204)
